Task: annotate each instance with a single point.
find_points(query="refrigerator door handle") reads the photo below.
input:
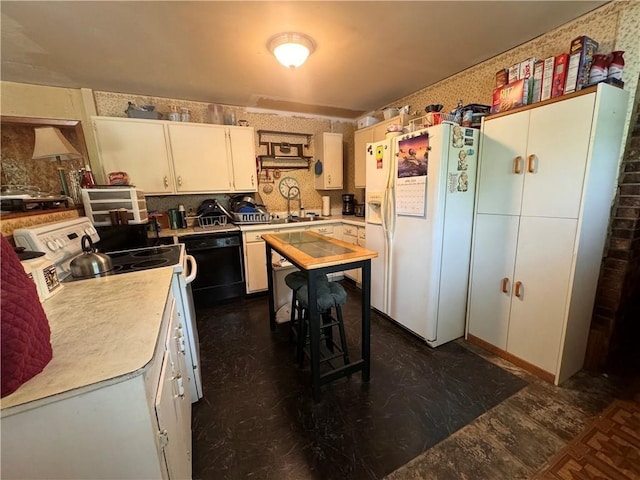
(383, 212)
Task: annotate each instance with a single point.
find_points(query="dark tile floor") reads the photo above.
(257, 418)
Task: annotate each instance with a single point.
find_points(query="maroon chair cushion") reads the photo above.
(25, 340)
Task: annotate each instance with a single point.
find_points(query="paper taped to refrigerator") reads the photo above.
(411, 182)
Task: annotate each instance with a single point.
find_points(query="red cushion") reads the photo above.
(25, 335)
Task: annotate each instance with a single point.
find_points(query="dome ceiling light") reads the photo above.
(291, 49)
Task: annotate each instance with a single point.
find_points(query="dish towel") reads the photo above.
(25, 340)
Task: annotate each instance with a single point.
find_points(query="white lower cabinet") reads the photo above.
(255, 254)
(355, 236)
(350, 235)
(255, 261)
(137, 426)
(530, 268)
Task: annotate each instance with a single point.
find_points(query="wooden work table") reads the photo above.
(316, 255)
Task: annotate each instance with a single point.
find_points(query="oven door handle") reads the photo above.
(191, 261)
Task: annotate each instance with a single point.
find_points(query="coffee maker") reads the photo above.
(348, 204)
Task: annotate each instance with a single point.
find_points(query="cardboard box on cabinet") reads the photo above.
(559, 75)
(509, 96)
(580, 58)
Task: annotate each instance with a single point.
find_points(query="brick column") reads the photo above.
(614, 340)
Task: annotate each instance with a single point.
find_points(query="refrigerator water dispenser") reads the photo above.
(374, 207)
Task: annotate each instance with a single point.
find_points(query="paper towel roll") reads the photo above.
(326, 207)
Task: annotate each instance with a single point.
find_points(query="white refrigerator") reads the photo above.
(420, 191)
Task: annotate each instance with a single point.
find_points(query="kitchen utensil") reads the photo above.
(90, 263)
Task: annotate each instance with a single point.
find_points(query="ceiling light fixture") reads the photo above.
(291, 49)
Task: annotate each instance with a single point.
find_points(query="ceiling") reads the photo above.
(368, 53)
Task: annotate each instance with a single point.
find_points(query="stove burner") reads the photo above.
(151, 252)
(149, 264)
(119, 254)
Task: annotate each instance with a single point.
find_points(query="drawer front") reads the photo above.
(350, 230)
(323, 230)
(362, 233)
(251, 237)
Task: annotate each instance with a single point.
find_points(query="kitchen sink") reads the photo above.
(279, 221)
(308, 219)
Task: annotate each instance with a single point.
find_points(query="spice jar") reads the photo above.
(185, 115)
(616, 65)
(174, 114)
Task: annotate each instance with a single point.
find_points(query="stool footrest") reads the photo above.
(326, 355)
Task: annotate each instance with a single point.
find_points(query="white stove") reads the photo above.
(60, 241)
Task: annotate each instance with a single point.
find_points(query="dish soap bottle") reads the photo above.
(88, 180)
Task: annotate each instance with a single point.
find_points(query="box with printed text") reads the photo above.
(508, 96)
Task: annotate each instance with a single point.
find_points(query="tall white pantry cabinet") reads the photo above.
(546, 180)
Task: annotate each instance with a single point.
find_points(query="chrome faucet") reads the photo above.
(296, 194)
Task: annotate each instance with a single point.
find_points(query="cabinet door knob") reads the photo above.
(531, 164)
(518, 287)
(166, 181)
(517, 165)
(179, 181)
(505, 285)
(252, 184)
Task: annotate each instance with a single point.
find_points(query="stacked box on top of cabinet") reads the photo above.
(98, 202)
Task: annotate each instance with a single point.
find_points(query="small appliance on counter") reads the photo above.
(359, 210)
(348, 204)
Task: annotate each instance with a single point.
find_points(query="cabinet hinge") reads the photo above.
(163, 438)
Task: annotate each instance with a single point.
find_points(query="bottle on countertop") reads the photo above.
(182, 217)
(88, 180)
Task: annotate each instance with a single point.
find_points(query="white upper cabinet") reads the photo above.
(533, 162)
(243, 158)
(163, 157)
(199, 155)
(329, 152)
(137, 147)
(366, 135)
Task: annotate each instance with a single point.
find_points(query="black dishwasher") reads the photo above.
(220, 266)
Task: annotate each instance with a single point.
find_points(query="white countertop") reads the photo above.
(348, 219)
(101, 329)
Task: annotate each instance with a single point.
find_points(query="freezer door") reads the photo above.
(378, 159)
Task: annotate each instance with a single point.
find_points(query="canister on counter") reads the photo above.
(123, 216)
(182, 217)
(173, 218)
(114, 216)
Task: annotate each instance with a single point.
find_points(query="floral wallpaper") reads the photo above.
(18, 168)
(615, 26)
